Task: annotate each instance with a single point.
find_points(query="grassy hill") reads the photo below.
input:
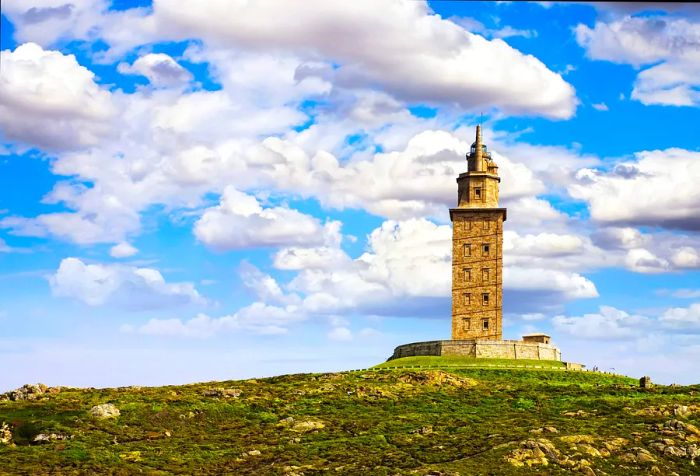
(439, 417)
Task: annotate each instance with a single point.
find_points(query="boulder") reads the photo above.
(105, 410)
(29, 391)
(42, 438)
(5, 434)
(220, 392)
(307, 425)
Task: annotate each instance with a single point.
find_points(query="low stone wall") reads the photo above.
(480, 348)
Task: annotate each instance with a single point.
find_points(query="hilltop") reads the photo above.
(421, 416)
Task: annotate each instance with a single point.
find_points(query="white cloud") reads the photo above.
(4, 247)
(673, 83)
(383, 279)
(122, 250)
(644, 261)
(686, 293)
(557, 285)
(264, 286)
(415, 182)
(160, 69)
(686, 257)
(340, 334)
(409, 58)
(683, 318)
(601, 106)
(671, 196)
(239, 221)
(620, 238)
(120, 286)
(542, 244)
(607, 323)
(256, 318)
(49, 100)
(672, 43)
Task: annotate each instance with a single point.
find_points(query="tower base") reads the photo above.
(480, 348)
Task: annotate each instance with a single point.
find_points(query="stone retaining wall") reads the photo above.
(479, 348)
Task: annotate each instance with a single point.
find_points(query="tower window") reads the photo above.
(467, 249)
(485, 299)
(466, 324)
(485, 324)
(467, 298)
(487, 225)
(467, 274)
(485, 249)
(477, 193)
(485, 274)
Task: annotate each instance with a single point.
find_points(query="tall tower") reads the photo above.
(477, 249)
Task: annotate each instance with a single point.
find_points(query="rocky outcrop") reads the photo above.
(105, 410)
(30, 391)
(5, 434)
(42, 438)
(220, 392)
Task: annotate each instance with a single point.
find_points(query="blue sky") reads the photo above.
(215, 192)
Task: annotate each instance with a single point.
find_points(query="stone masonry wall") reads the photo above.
(477, 263)
(480, 348)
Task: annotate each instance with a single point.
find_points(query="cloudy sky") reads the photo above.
(234, 189)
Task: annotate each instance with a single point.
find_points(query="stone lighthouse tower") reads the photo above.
(477, 274)
(477, 249)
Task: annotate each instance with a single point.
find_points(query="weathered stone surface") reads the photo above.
(537, 452)
(30, 392)
(220, 392)
(544, 429)
(482, 348)
(5, 434)
(49, 437)
(307, 425)
(645, 382)
(105, 410)
(638, 455)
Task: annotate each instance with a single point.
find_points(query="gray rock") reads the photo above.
(48, 438)
(5, 434)
(105, 410)
(28, 392)
(675, 451)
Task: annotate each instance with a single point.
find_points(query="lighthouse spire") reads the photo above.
(479, 152)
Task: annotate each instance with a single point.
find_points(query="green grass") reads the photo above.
(458, 361)
(453, 419)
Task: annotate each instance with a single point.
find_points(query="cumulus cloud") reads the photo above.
(686, 257)
(670, 44)
(122, 250)
(160, 69)
(417, 181)
(382, 280)
(607, 323)
(418, 57)
(644, 261)
(47, 99)
(256, 318)
(682, 318)
(620, 238)
(671, 197)
(121, 286)
(239, 221)
(531, 289)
